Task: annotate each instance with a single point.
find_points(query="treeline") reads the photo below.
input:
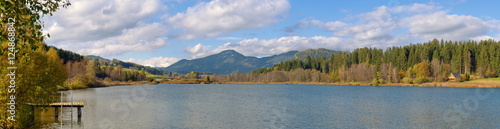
(66, 55)
(296, 75)
(414, 63)
(81, 71)
(118, 73)
(133, 66)
(88, 72)
(315, 53)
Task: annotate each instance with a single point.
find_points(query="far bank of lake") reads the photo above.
(483, 84)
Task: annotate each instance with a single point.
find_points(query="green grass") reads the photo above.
(491, 79)
(487, 79)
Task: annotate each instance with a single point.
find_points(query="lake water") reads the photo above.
(280, 106)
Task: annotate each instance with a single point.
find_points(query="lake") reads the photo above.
(181, 106)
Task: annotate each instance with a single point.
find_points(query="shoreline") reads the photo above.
(493, 84)
(102, 84)
(487, 84)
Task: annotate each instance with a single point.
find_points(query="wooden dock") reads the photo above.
(68, 104)
(56, 106)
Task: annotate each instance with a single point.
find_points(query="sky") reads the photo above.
(158, 33)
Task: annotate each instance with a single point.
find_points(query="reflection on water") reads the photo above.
(280, 106)
(46, 118)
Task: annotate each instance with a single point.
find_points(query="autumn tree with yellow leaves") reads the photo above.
(39, 71)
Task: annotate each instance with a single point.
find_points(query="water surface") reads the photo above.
(281, 106)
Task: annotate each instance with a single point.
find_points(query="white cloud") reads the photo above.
(478, 38)
(217, 17)
(383, 27)
(155, 61)
(494, 24)
(442, 25)
(142, 38)
(330, 26)
(198, 51)
(482, 38)
(105, 28)
(380, 14)
(386, 26)
(416, 8)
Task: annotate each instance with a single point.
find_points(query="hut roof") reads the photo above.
(456, 75)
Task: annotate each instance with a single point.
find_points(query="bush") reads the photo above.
(376, 82)
(406, 80)
(381, 81)
(466, 77)
(421, 80)
(78, 84)
(107, 79)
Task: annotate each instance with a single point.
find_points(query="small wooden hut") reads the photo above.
(454, 77)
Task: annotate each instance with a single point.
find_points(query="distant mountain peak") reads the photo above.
(228, 54)
(226, 62)
(231, 61)
(229, 51)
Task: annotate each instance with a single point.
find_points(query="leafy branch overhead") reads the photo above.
(28, 15)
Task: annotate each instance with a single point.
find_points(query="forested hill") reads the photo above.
(227, 62)
(230, 61)
(315, 53)
(66, 56)
(83, 71)
(134, 66)
(431, 61)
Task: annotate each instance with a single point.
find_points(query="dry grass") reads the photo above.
(305, 83)
(479, 84)
(482, 83)
(462, 84)
(118, 83)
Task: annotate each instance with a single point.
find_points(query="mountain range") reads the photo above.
(230, 61)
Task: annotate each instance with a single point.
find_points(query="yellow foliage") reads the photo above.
(422, 70)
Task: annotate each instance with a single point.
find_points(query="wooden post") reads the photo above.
(56, 111)
(79, 112)
(32, 108)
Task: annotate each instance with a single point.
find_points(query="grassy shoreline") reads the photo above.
(468, 84)
(102, 83)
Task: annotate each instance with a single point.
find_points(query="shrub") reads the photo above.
(421, 80)
(107, 79)
(406, 80)
(376, 82)
(78, 84)
(381, 81)
(466, 77)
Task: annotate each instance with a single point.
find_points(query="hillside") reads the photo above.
(315, 53)
(66, 56)
(97, 57)
(134, 66)
(127, 65)
(227, 62)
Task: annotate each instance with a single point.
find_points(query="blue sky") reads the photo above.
(161, 32)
